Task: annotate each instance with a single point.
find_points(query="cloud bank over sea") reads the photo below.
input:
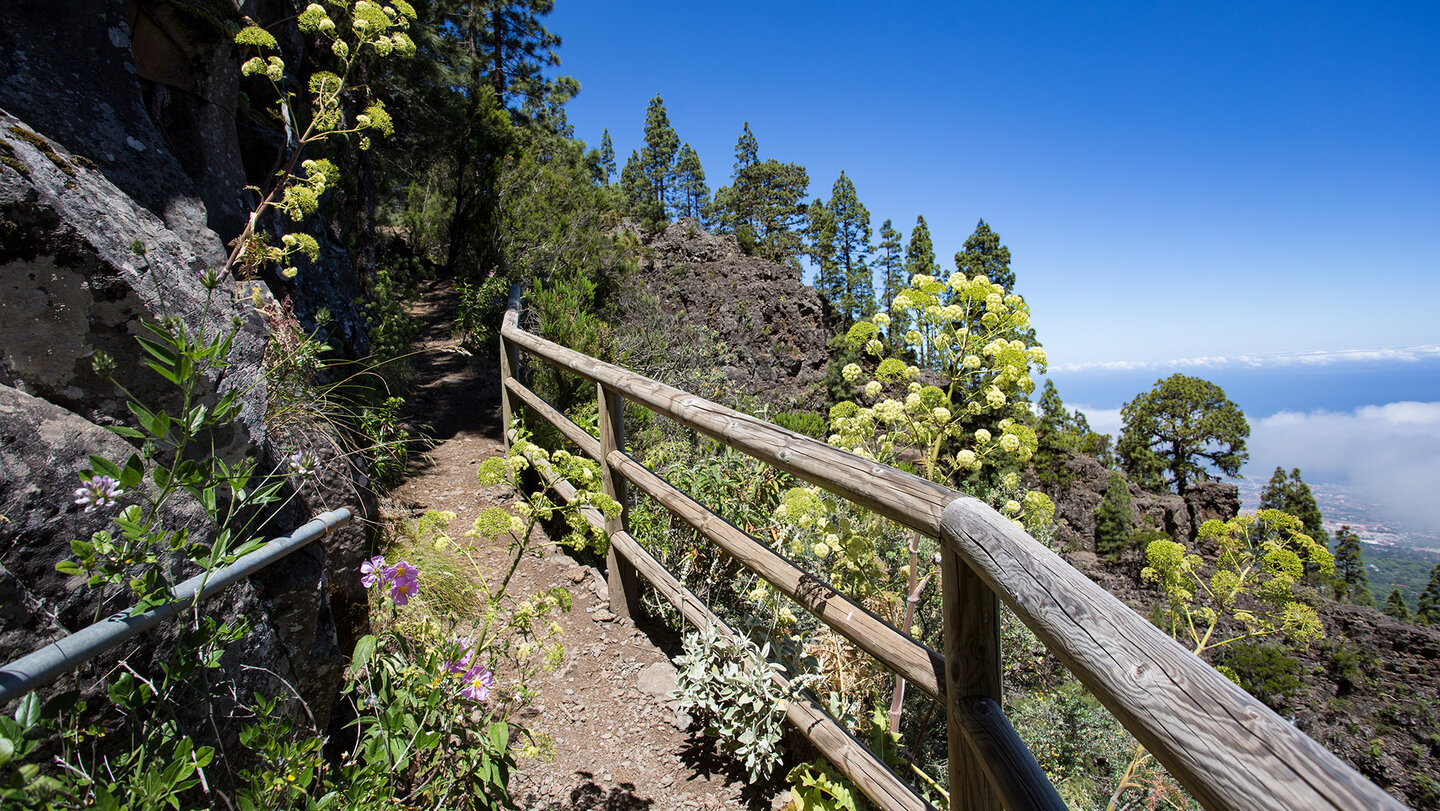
(1388, 455)
(1397, 354)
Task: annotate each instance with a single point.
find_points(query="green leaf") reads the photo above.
(69, 567)
(157, 423)
(28, 713)
(134, 472)
(105, 467)
(125, 431)
(364, 651)
(164, 372)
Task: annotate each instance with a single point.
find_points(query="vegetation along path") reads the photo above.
(617, 741)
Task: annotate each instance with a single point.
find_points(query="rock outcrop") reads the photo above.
(1080, 487)
(775, 326)
(122, 169)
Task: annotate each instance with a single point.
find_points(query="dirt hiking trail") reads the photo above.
(618, 742)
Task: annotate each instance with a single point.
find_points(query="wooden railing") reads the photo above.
(1226, 748)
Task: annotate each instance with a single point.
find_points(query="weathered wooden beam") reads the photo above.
(972, 669)
(588, 445)
(856, 762)
(620, 576)
(918, 664)
(897, 495)
(1223, 745)
(1010, 767)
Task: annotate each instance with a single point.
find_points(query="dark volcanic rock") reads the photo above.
(774, 325)
(1081, 488)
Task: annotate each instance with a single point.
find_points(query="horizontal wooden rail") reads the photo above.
(852, 759)
(897, 495)
(1223, 745)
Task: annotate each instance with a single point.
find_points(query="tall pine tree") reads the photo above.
(1114, 517)
(852, 250)
(820, 236)
(984, 254)
(1293, 496)
(607, 156)
(1429, 607)
(1351, 581)
(657, 163)
(764, 205)
(692, 196)
(892, 266)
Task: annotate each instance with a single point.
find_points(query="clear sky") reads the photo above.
(1243, 191)
(1193, 180)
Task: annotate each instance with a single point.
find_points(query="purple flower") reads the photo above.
(100, 491)
(404, 582)
(478, 682)
(372, 573)
(459, 666)
(303, 463)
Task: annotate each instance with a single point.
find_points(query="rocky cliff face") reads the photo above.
(1082, 486)
(775, 326)
(119, 165)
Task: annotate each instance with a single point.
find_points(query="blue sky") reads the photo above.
(1247, 192)
(1174, 180)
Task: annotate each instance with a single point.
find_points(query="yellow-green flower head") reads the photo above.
(309, 19)
(921, 279)
(255, 35)
(1009, 481)
(901, 302)
(982, 437)
(972, 361)
(956, 281)
(874, 347)
(821, 550)
(1012, 507)
(275, 69)
(851, 372)
(1009, 443)
(994, 397)
(967, 460)
(340, 49)
(941, 415)
(873, 388)
(881, 319)
(912, 337)
(915, 387)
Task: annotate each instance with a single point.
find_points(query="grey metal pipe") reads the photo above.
(48, 663)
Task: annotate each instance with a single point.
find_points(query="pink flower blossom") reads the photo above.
(404, 582)
(372, 573)
(458, 667)
(477, 683)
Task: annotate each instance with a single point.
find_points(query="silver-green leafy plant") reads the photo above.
(731, 684)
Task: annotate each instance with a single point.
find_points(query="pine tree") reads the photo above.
(607, 156)
(852, 250)
(919, 258)
(764, 205)
(657, 162)
(1396, 606)
(1293, 496)
(1350, 579)
(514, 48)
(892, 267)
(1115, 517)
(1429, 608)
(634, 184)
(692, 195)
(820, 238)
(984, 254)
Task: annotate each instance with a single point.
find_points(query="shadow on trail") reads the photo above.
(452, 391)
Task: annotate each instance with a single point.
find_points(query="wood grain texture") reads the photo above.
(620, 575)
(1018, 780)
(881, 785)
(921, 666)
(1224, 746)
(972, 669)
(895, 494)
(588, 445)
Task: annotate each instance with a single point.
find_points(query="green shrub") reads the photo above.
(1265, 671)
(803, 422)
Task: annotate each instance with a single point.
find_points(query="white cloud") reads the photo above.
(1397, 354)
(1388, 454)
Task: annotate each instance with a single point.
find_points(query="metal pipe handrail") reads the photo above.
(48, 663)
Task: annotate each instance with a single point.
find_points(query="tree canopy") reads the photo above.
(1179, 431)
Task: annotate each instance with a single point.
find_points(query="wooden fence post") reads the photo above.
(972, 668)
(621, 576)
(509, 363)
